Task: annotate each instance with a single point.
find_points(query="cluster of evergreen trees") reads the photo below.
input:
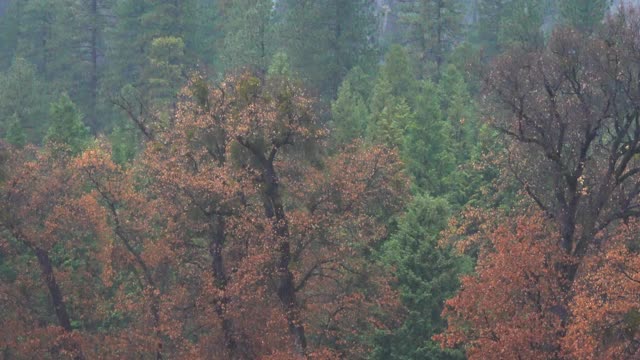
(402, 73)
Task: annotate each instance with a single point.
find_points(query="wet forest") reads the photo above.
(320, 179)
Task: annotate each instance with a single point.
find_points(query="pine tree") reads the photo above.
(66, 126)
(427, 147)
(15, 133)
(124, 142)
(128, 45)
(165, 72)
(162, 18)
(10, 19)
(207, 34)
(459, 111)
(522, 23)
(490, 18)
(326, 38)
(89, 26)
(24, 96)
(349, 114)
(39, 29)
(503, 23)
(248, 34)
(399, 72)
(151, 40)
(584, 15)
(434, 26)
(280, 66)
(388, 126)
(427, 276)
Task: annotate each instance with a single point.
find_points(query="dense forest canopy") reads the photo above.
(327, 179)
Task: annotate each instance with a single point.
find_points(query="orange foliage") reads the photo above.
(233, 235)
(605, 320)
(508, 310)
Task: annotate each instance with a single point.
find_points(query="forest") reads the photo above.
(320, 179)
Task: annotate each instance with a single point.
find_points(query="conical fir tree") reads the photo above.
(66, 126)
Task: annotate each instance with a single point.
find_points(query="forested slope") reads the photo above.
(259, 179)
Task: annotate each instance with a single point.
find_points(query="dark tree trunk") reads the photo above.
(57, 299)
(54, 290)
(285, 281)
(217, 267)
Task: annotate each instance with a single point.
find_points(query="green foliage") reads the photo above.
(503, 23)
(349, 114)
(166, 18)
(165, 74)
(433, 28)
(382, 96)
(427, 147)
(10, 31)
(152, 43)
(388, 126)
(248, 29)
(45, 32)
(360, 81)
(23, 99)
(207, 33)
(326, 38)
(128, 44)
(398, 71)
(522, 23)
(15, 132)
(459, 111)
(280, 66)
(390, 113)
(584, 15)
(8, 273)
(66, 126)
(124, 143)
(427, 275)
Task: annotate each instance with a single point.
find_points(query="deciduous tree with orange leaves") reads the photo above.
(234, 234)
(41, 226)
(284, 227)
(561, 284)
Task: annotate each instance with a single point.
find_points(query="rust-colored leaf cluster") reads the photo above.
(233, 235)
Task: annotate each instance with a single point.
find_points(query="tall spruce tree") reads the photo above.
(399, 71)
(23, 98)
(207, 34)
(428, 147)
(89, 27)
(11, 15)
(326, 38)
(505, 23)
(522, 23)
(459, 111)
(15, 133)
(248, 34)
(349, 114)
(66, 126)
(433, 28)
(584, 15)
(427, 276)
(137, 53)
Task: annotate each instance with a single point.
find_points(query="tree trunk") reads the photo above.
(217, 268)
(54, 290)
(57, 299)
(285, 281)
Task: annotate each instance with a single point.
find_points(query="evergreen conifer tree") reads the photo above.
(427, 276)
(66, 126)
